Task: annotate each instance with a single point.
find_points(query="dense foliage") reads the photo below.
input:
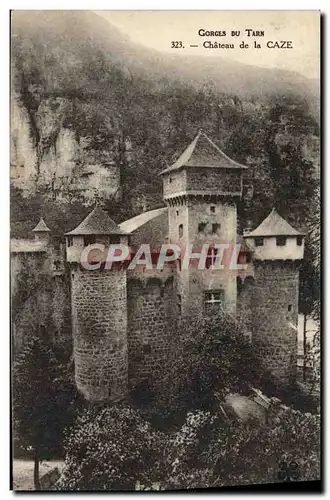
(114, 449)
(213, 357)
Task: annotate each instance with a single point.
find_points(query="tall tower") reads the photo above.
(277, 250)
(99, 312)
(201, 190)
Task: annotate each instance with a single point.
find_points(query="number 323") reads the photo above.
(177, 45)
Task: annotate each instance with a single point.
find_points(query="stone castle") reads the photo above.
(125, 322)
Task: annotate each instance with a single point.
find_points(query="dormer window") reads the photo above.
(299, 240)
(259, 242)
(280, 241)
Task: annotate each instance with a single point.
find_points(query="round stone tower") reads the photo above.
(277, 250)
(99, 312)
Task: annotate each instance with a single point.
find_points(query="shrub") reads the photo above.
(116, 449)
(213, 358)
(111, 449)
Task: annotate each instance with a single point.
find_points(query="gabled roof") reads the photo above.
(131, 225)
(274, 225)
(97, 222)
(41, 227)
(202, 152)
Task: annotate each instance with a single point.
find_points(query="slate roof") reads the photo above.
(97, 222)
(131, 225)
(202, 152)
(41, 227)
(273, 225)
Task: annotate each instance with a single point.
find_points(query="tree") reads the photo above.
(115, 448)
(42, 401)
(111, 448)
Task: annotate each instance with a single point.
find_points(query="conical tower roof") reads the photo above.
(97, 222)
(274, 225)
(203, 152)
(41, 227)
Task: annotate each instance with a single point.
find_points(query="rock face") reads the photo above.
(54, 159)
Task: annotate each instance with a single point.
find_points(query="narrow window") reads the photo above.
(212, 209)
(147, 349)
(211, 257)
(259, 242)
(201, 227)
(290, 307)
(299, 241)
(177, 212)
(180, 230)
(215, 228)
(213, 301)
(70, 241)
(170, 180)
(280, 241)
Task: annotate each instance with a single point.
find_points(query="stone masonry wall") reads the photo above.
(40, 299)
(274, 303)
(151, 319)
(99, 312)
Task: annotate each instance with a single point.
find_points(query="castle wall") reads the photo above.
(99, 312)
(151, 320)
(274, 304)
(40, 299)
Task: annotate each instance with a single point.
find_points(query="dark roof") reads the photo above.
(202, 152)
(273, 225)
(41, 227)
(97, 222)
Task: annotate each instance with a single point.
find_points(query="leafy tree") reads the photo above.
(111, 449)
(43, 396)
(213, 358)
(116, 449)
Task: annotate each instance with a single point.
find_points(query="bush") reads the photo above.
(116, 449)
(111, 449)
